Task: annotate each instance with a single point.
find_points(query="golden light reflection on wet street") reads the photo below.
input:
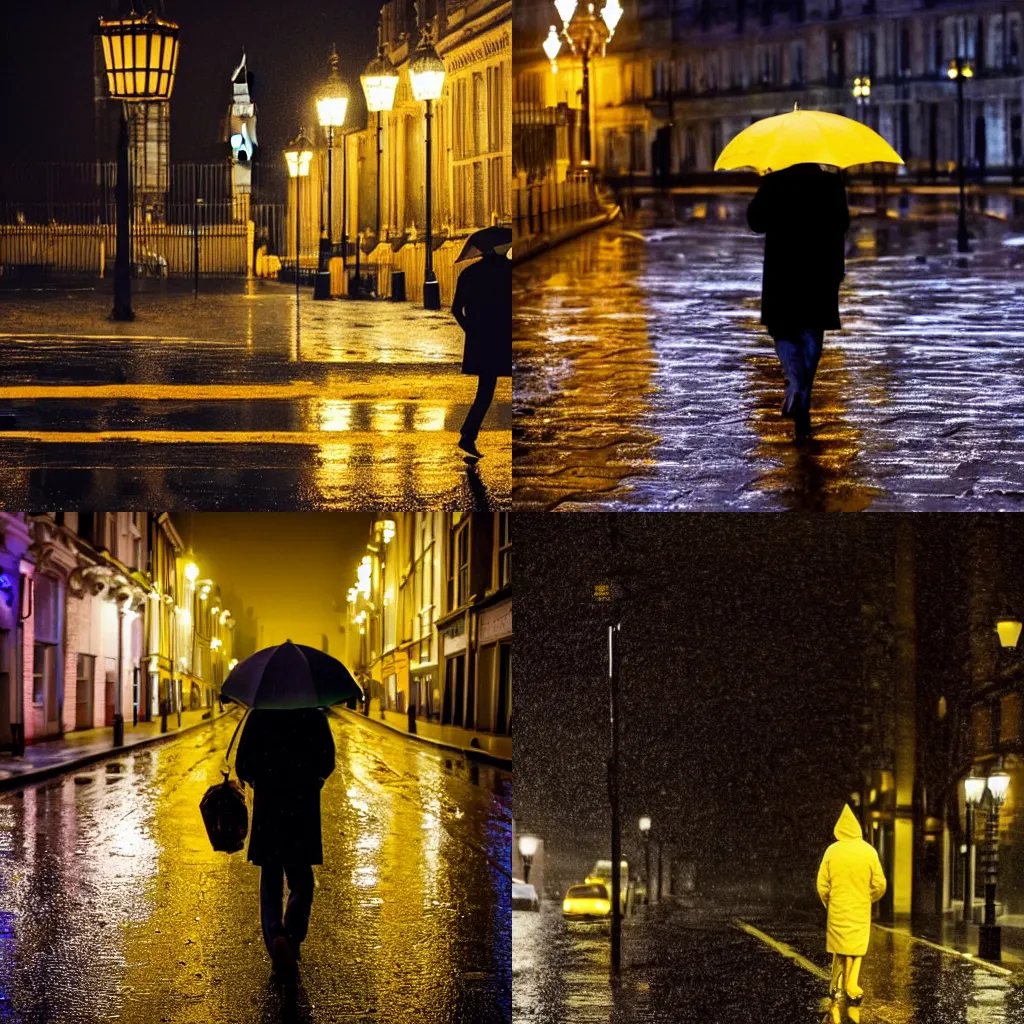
(113, 905)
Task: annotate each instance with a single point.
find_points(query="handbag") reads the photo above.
(223, 808)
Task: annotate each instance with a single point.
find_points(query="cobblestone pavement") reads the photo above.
(113, 906)
(227, 403)
(643, 379)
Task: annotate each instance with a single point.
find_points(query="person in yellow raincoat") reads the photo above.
(850, 879)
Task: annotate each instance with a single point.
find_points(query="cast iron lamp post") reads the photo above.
(645, 831)
(527, 849)
(379, 80)
(990, 940)
(331, 107)
(140, 54)
(587, 33)
(959, 69)
(298, 155)
(426, 72)
(974, 790)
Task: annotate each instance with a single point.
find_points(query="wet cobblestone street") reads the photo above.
(643, 379)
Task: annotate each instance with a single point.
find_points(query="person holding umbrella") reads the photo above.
(286, 753)
(801, 210)
(483, 308)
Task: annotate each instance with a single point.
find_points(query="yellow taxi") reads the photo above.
(588, 902)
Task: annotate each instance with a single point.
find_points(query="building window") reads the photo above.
(458, 570)
(495, 109)
(504, 549)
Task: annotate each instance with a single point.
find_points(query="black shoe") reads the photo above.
(801, 424)
(283, 955)
(469, 447)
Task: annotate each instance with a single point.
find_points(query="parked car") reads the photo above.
(524, 896)
(588, 902)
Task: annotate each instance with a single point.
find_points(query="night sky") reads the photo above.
(47, 85)
(293, 568)
(742, 666)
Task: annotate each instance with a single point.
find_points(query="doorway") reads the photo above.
(84, 692)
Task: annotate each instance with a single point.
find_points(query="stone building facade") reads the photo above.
(681, 77)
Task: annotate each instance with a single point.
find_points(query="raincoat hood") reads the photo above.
(847, 827)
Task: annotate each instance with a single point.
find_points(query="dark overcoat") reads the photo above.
(803, 214)
(285, 756)
(483, 308)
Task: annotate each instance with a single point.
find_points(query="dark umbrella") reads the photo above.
(290, 676)
(483, 241)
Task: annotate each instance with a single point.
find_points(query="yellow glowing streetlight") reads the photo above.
(379, 80)
(552, 46)
(426, 73)
(298, 156)
(140, 54)
(331, 107)
(192, 572)
(1009, 631)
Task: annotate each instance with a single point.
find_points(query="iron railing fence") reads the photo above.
(59, 219)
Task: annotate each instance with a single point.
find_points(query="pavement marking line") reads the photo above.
(57, 335)
(780, 947)
(309, 437)
(969, 957)
(359, 390)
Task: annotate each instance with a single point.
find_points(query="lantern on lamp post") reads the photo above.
(298, 156)
(1008, 629)
(140, 54)
(959, 70)
(645, 831)
(989, 937)
(331, 108)
(974, 790)
(426, 72)
(552, 46)
(379, 80)
(527, 849)
(587, 33)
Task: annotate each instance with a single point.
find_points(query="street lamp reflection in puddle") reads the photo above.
(334, 415)
(387, 417)
(429, 418)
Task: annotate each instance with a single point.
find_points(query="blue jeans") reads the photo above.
(300, 902)
(799, 352)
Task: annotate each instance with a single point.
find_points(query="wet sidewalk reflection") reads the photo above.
(918, 404)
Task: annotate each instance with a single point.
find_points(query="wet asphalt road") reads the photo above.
(114, 907)
(643, 379)
(683, 965)
(225, 402)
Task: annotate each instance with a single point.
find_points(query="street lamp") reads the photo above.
(861, 93)
(989, 938)
(527, 848)
(298, 155)
(645, 831)
(380, 80)
(1009, 632)
(331, 107)
(552, 46)
(587, 33)
(959, 69)
(140, 54)
(426, 71)
(974, 790)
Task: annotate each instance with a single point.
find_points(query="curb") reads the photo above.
(547, 242)
(470, 752)
(26, 779)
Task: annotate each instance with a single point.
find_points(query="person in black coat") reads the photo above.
(483, 308)
(803, 213)
(285, 756)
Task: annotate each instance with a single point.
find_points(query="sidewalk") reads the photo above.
(495, 749)
(952, 934)
(47, 758)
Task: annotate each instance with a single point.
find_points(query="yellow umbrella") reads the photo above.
(805, 137)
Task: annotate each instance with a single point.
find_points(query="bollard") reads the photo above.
(412, 718)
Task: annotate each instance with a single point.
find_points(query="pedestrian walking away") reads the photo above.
(850, 880)
(483, 308)
(285, 755)
(803, 214)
